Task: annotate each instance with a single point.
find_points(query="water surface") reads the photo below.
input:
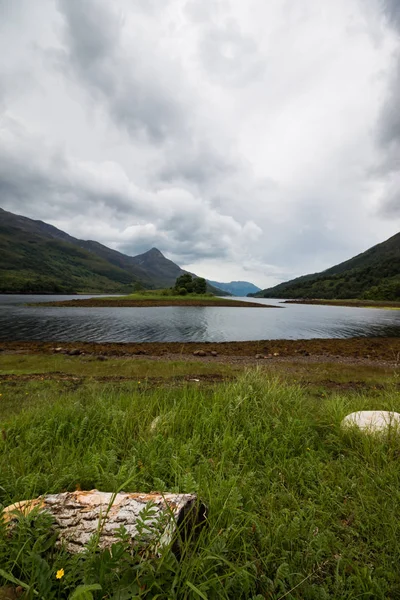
(19, 322)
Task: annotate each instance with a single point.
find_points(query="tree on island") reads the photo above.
(185, 284)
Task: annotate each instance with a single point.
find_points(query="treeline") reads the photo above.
(351, 285)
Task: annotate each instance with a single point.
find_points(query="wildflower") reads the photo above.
(60, 573)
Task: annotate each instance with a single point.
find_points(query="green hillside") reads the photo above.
(37, 257)
(372, 275)
(37, 264)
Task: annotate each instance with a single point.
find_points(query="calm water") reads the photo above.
(162, 324)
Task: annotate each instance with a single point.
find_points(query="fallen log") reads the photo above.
(161, 519)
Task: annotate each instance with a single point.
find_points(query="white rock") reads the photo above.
(372, 420)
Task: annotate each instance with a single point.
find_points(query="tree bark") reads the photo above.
(80, 515)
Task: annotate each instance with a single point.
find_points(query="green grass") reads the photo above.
(32, 364)
(297, 508)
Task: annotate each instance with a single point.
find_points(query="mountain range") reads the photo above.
(37, 257)
(371, 275)
(236, 288)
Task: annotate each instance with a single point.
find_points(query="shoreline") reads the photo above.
(357, 350)
(383, 304)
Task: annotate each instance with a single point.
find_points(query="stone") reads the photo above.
(213, 353)
(199, 353)
(59, 349)
(75, 352)
(258, 356)
(371, 421)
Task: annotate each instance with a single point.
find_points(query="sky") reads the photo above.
(255, 140)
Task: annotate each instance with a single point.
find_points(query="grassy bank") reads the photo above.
(297, 508)
(388, 304)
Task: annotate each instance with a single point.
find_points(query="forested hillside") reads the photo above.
(372, 275)
(37, 257)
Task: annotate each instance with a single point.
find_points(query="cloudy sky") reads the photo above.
(255, 140)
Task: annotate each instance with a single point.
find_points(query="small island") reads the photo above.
(187, 291)
(149, 299)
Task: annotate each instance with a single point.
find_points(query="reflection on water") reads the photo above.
(184, 324)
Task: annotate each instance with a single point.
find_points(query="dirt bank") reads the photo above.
(127, 302)
(364, 350)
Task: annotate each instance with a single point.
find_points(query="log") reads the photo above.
(80, 515)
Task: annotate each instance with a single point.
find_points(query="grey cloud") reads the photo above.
(388, 128)
(41, 181)
(391, 9)
(389, 124)
(138, 97)
(230, 56)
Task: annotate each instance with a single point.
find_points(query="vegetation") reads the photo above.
(372, 275)
(297, 507)
(186, 284)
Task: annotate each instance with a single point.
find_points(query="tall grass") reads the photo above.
(297, 508)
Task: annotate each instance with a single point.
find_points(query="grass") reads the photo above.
(31, 364)
(359, 303)
(297, 508)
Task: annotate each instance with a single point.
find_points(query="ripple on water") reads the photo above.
(184, 324)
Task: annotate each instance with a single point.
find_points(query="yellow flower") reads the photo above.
(60, 573)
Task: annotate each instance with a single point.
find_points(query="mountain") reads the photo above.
(37, 257)
(236, 288)
(372, 275)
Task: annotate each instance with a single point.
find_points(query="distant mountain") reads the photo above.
(372, 275)
(236, 288)
(37, 257)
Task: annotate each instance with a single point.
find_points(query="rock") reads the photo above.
(213, 353)
(75, 352)
(199, 353)
(139, 352)
(258, 356)
(276, 353)
(372, 421)
(59, 349)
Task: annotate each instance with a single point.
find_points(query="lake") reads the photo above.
(19, 322)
